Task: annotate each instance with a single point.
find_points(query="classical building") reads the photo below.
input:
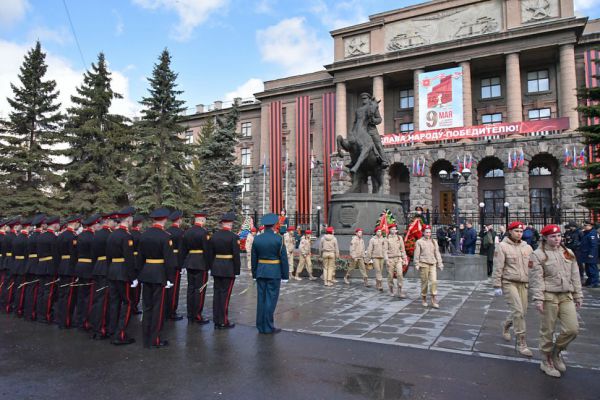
(490, 84)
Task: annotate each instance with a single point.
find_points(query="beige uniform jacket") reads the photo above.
(376, 247)
(553, 272)
(357, 247)
(427, 252)
(511, 261)
(249, 241)
(289, 241)
(395, 247)
(329, 244)
(304, 246)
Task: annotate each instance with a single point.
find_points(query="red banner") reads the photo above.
(471, 132)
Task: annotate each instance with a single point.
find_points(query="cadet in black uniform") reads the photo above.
(3, 244)
(99, 317)
(136, 233)
(10, 289)
(121, 273)
(67, 289)
(173, 294)
(83, 271)
(20, 251)
(33, 278)
(47, 268)
(194, 249)
(157, 269)
(224, 266)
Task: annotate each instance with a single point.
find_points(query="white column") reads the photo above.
(416, 94)
(378, 94)
(467, 94)
(514, 100)
(341, 119)
(568, 85)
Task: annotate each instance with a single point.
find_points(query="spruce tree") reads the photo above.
(590, 110)
(28, 165)
(217, 165)
(162, 160)
(99, 146)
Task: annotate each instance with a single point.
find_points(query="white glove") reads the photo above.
(183, 271)
(497, 292)
(284, 280)
(441, 267)
(169, 285)
(134, 283)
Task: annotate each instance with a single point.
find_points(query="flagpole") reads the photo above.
(310, 191)
(264, 183)
(287, 180)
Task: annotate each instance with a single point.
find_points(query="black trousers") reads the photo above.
(4, 278)
(32, 294)
(195, 297)
(221, 295)
(46, 298)
(19, 298)
(137, 295)
(120, 309)
(86, 290)
(99, 316)
(9, 294)
(67, 298)
(173, 295)
(153, 298)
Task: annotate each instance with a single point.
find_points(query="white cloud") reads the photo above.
(264, 6)
(119, 26)
(59, 36)
(246, 90)
(12, 11)
(295, 46)
(191, 13)
(339, 14)
(59, 69)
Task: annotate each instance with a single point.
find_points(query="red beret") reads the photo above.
(550, 230)
(261, 228)
(329, 229)
(291, 228)
(358, 230)
(253, 230)
(426, 227)
(308, 232)
(392, 226)
(516, 225)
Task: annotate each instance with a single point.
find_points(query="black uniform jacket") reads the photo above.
(31, 265)
(225, 254)
(20, 253)
(85, 258)
(99, 251)
(176, 236)
(155, 256)
(194, 248)
(119, 252)
(48, 254)
(67, 248)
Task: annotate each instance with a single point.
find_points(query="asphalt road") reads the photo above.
(42, 362)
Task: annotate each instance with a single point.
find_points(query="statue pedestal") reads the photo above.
(349, 211)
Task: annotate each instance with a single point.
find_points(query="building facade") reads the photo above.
(489, 85)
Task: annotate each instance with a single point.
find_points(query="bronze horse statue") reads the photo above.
(365, 161)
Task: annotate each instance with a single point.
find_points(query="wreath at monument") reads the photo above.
(414, 232)
(385, 219)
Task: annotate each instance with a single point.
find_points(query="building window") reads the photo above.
(494, 173)
(407, 98)
(540, 200)
(493, 200)
(539, 113)
(246, 129)
(491, 118)
(540, 171)
(246, 156)
(407, 128)
(490, 88)
(538, 81)
(311, 110)
(283, 117)
(189, 137)
(245, 184)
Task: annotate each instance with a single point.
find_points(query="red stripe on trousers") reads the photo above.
(86, 322)
(71, 289)
(175, 291)
(160, 316)
(35, 297)
(128, 312)
(202, 293)
(227, 301)
(104, 306)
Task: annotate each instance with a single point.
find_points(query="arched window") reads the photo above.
(491, 185)
(542, 190)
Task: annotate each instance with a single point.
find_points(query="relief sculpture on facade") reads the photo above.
(535, 10)
(357, 46)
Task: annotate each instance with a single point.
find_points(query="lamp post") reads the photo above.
(454, 181)
(506, 205)
(318, 221)
(481, 215)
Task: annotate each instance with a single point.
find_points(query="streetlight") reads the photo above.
(506, 205)
(453, 180)
(481, 214)
(318, 221)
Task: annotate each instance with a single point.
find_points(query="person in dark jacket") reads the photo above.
(588, 254)
(531, 236)
(572, 238)
(33, 275)
(224, 267)
(20, 253)
(194, 250)
(47, 269)
(173, 294)
(269, 267)
(67, 289)
(442, 238)
(488, 246)
(469, 239)
(121, 277)
(84, 267)
(157, 262)
(136, 233)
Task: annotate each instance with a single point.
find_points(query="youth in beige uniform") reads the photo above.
(395, 259)
(357, 253)
(304, 258)
(329, 252)
(427, 258)
(248, 245)
(289, 240)
(511, 278)
(376, 253)
(556, 292)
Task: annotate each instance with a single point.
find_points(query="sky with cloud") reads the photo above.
(221, 49)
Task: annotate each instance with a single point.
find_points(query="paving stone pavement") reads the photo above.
(468, 321)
